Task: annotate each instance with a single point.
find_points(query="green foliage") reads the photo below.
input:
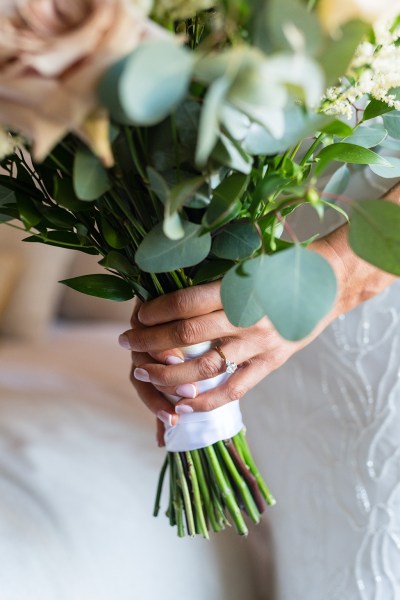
(90, 178)
(374, 233)
(237, 241)
(109, 287)
(225, 201)
(294, 303)
(159, 254)
(348, 153)
(145, 87)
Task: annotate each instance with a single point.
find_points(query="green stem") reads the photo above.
(172, 490)
(185, 494)
(312, 148)
(204, 490)
(240, 439)
(160, 487)
(200, 520)
(226, 491)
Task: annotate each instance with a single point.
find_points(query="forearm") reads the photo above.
(357, 280)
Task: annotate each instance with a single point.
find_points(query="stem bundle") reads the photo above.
(210, 487)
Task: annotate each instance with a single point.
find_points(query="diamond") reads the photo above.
(230, 366)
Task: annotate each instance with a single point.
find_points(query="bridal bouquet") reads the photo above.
(174, 139)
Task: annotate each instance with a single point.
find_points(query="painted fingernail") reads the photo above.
(165, 417)
(124, 341)
(186, 390)
(141, 375)
(173, 360)
(183, 409)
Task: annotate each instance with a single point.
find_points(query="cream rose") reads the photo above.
(52, 55)
(334, 13)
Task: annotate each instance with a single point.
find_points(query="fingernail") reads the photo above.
(165, 417)
(182, 409)
(186, 390)
(124, 341)
(141, 375)
(173, 360)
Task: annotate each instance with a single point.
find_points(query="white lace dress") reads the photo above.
(325, 429)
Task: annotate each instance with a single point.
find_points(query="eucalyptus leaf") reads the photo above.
(348, 153)
(388, 172)
(337, 184)
(153, 81)
(295, 288)
(236, 242)
(209, 119)
(367, 136)
(159, 254)
(392, 123)
(231, 154)
(210, 270)
(101, 286)
(375, 233)
(89, 177)
(158, 184)
(177, 197)
(65, 196)
(225, 200)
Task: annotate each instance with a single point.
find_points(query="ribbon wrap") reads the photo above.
(200, 429)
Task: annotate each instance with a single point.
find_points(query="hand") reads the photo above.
(194, 315)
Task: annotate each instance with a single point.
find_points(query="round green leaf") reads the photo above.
(375, 233)
(89, 176)
(236, 242)
(159, 254)
(295, 288)
(153, 81)
(388, 172)
(392, 123)
(102, 286)
(367, 136)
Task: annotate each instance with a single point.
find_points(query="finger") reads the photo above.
(179, 333)
(182, 304)
(160, 433)
(168, 357)
(235, 388)
(156, 402)
(199, 369)
(134, 318)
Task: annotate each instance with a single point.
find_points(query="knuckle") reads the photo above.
(180, 303)
(186, 332)
(209, 404)
(236, 391)
(208, 367)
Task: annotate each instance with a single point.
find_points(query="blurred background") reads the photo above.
(78, 458)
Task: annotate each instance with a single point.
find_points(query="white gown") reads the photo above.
(325, 430)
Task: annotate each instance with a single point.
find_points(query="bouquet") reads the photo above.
(174, 139)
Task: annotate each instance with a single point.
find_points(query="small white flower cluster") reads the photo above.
(374, 71)
(8, 143)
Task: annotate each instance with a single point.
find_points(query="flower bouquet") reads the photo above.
(174, 139)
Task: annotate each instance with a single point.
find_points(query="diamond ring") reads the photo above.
(230, 365)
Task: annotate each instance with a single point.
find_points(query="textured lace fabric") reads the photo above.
(325, 430)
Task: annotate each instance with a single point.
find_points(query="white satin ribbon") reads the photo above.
(200, 429)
